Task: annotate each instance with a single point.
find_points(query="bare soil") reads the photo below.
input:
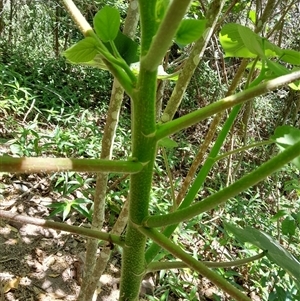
(37, 263)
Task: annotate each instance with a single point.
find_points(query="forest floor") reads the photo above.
(38, 263)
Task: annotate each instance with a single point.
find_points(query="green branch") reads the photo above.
(194, 264)
(244, 148)
(32, 165)
(163, 39)
(190, 119)
(221, 196)
(198, 182)
(193, 60)
(168, 265)
(62, 226)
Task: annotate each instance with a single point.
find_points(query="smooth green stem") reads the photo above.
(122, 77)
(190, 119)
(169, 173)
(190, 197)
(220, 197)
(244, 148)
(168, 265)
(63, 227)
(194, 264)
(32, 165)
(117, 60)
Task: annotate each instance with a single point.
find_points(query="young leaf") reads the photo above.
(276, 252)
(252, 16)
(232, 43)
(167, 142)
(83, 51)
(189, 31)
(251, 40)
(107, 23)
(67, 210)
(161, 8)
(237, 41)
(290, 56)
(127, 48)
(96, 62)
(161, 73)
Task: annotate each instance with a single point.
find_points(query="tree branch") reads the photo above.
(183, 122)
(32, 165)
(63, 227)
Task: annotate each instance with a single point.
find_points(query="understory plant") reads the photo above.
(137, 68)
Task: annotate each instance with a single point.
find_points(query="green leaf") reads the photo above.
(295, 85)
(83, 51)
(83, 210)
(96, 62)
(276, 252)
(107, 23)
(67, 210)
(285, 136)
(161, 8)
(237, 41)
(59, 207)
(56, 205)
(167, 142)
(252, 41)
(252, 16)
(189, 31)
(127, 48)
(296, 216)
(290, 56)
(280, 70)
(56, 211)
(288, 226)
(82, 201)
(276, 68)
(278, 215)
